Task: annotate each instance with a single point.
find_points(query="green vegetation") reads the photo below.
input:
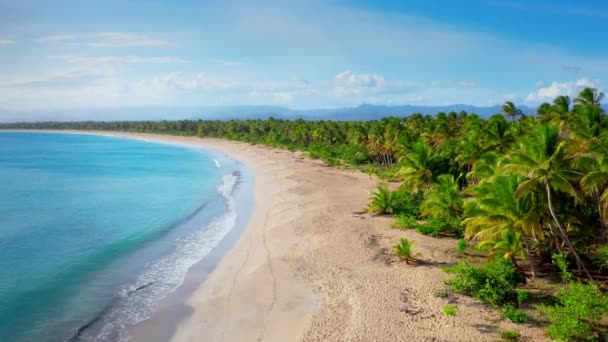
(461, 246)
(450, 310)
(405, 250)
(514, 315)
(523, 190)
(578, 311)
(493, 283)
(510, 335)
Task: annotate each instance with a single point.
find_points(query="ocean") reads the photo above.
(95, 230)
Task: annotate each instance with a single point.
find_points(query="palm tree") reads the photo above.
(444, 199)
(509, 110)
(595, 182)
(415, 171)
(542, 159)
(498, 219)
(589, 97)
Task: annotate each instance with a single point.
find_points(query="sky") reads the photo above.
(74, 54)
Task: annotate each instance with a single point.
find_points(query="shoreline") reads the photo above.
(310, 266)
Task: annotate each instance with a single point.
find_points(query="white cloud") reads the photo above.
(556, 89)
(348, 83)
(122, 39)
(57, 38)
(587, 83)
(6, 42)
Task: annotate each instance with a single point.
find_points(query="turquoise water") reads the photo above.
(94, 230)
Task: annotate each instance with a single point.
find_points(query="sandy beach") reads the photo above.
(311, 266)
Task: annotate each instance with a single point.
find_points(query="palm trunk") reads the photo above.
(532, 269)
(564, 234)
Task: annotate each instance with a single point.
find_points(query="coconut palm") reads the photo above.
(595, 181)
(415, 171)
(509, 110)
(405, 250)
(444, 198)
(496, 218)
(541, 158)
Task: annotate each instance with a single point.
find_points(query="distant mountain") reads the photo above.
(362, 112)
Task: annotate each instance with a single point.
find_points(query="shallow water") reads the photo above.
(95, 230)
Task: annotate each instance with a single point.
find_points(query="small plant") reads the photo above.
(510, 335)
(381, 201)
(461, 246)
(515, 315)
(523, 296)
(405, 250)
(450, 309)
(561, 262)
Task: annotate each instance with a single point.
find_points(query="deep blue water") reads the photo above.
(95, 230)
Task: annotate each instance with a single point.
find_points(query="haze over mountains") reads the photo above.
(362, 112)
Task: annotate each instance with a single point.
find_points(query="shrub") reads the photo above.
(578, 309)
(405, 203)
(405, 250)
(399, 202)
(450, 309)
(493, 283)
(404, 222)
(514, 315)
(599, 256)
(461, 246)
(523, 296)
(509, 335)
(441, 225)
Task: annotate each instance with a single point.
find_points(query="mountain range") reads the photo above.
(362, 112)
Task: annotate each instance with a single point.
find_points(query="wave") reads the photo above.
(217, 163)
(137, 301)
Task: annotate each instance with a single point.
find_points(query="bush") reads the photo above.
(578, 309)
(399, 202)
(461, 246)
(404, 222)
(509, 335)
(405, 250)
(405, 203)
(515, 315)
(450, 309)
(599, 256)
(442, 225)
(523, 296)
(494, 283)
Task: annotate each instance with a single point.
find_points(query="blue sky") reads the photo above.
(301, 54)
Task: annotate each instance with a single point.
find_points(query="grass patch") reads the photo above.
(450, 310)
(509, 335)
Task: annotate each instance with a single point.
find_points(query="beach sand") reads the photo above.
(310, 266)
